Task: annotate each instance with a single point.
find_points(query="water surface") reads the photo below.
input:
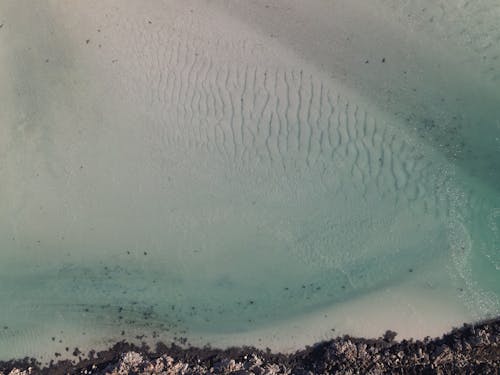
(245, 172)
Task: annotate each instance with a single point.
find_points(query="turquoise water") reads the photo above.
(211, 171)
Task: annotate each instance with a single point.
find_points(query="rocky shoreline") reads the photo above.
(471, 349)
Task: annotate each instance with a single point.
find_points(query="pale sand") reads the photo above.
(412, 313)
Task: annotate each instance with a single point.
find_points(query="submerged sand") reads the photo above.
(246, 172)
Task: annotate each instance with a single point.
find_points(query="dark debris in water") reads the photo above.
(472, 349)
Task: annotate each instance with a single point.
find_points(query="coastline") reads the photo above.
(473, 348)
(247, 172)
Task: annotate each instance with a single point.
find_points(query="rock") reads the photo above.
(20, 372)
(462, 351)
(130, 362)
(271, 369)
(227, 365)
(389, 336)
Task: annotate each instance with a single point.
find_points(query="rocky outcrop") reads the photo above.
(472, 349)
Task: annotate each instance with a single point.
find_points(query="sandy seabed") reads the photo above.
(246, 172)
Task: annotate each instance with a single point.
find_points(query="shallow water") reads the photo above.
(245, 172)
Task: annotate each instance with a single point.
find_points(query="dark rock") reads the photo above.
(468, 350)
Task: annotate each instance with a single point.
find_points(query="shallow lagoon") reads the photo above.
(235, 173)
